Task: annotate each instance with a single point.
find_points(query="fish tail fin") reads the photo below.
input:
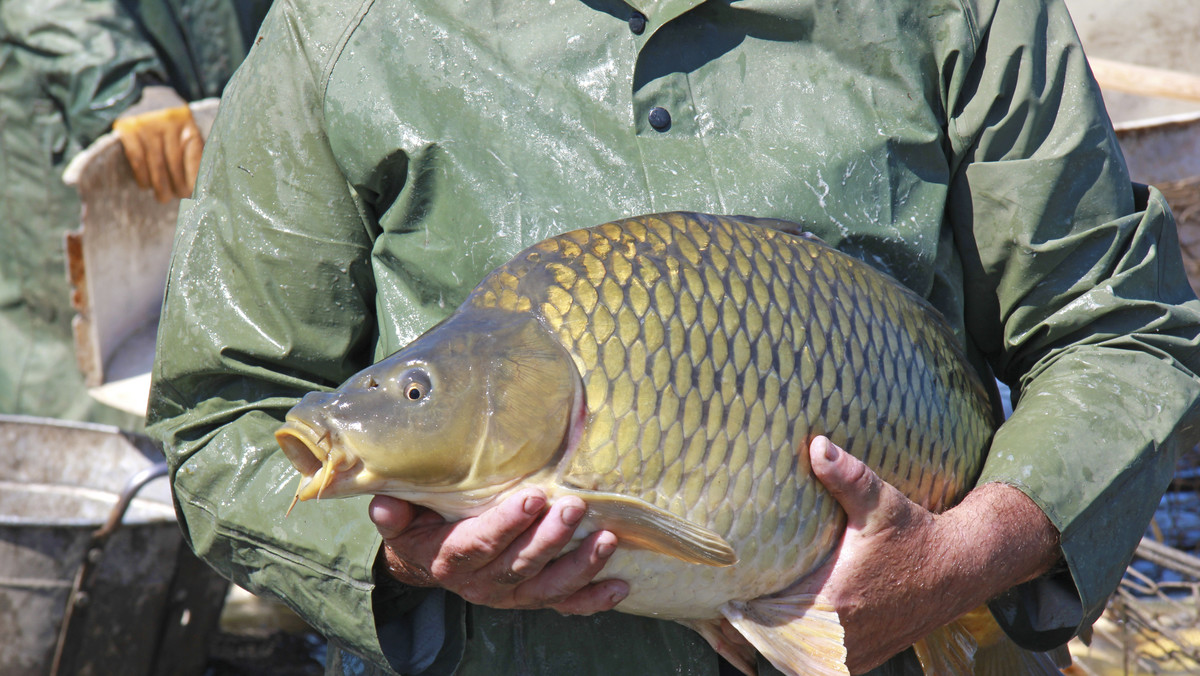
(798, 635)
(978, 638)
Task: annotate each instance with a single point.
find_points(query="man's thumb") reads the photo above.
(851, 482)
(390, 516)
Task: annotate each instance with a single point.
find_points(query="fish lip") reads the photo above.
(326, 468)
(301, 444)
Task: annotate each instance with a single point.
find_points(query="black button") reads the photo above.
(660, 119)
(637, 23)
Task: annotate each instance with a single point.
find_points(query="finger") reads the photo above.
(172, 141)
(407, 558)
(156, 167)
(530, 552)
(193, 149)
(871, 504)
(594, 598)
(414, 533)
(391, 516)
(570, 574)
(856, 488)
(732, 635)
(474, 544)
(135, 153)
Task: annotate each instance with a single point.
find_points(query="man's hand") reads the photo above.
(163, 144)
(503, 558)
(901, 571)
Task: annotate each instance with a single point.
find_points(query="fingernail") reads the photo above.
(831, 451)
(572, 515)
(605, 548)
(533, 505)
(618, 595)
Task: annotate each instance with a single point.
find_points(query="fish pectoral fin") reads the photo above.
(798, 635)
(640, 525)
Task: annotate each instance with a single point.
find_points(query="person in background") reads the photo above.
(71, 70)
(372, 161)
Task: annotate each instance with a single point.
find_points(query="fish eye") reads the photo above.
(415, 384)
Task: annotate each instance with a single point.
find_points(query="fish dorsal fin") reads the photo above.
(640, 525)
(800, 636)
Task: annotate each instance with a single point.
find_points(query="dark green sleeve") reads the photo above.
(270, 295)
(89, 56)
(200, 42)
(1076, 293)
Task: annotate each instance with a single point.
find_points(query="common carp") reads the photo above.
(670, 370)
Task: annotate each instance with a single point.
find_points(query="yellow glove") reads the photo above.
(163, 147)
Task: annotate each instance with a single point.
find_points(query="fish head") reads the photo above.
(472, 406)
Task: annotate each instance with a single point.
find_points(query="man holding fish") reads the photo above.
(372, 163)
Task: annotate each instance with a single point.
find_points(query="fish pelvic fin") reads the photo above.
(949, 650)
(1009, 658)
(975, 645)
(800, 636)
(724, 639)
(640, 525)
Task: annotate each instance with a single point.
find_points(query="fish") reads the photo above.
(671, 370)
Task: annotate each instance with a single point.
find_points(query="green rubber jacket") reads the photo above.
(372, 160)
(68, 68)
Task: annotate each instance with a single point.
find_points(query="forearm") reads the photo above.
(995, 539)
(1121, 416)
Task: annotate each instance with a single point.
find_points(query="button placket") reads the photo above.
(658, 117)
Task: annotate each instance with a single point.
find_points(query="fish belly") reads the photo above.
(667, 588)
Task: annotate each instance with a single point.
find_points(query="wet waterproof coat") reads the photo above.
(373, 160)
(68, 68)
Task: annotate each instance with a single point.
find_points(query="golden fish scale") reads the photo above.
(712, 351)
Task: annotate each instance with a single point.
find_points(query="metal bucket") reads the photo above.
(94, 575)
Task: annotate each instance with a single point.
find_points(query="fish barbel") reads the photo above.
(670, 370)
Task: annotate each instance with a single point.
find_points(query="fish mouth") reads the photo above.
(321, 464)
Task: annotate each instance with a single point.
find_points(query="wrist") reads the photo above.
(390, 565)
(998, 538)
